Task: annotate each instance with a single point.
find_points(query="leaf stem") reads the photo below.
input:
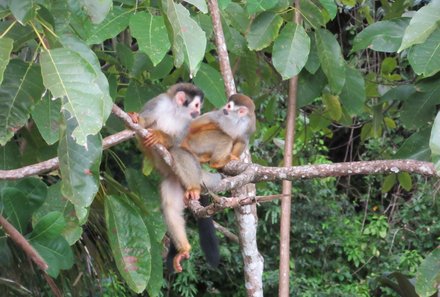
(8, 29)
(39, 36)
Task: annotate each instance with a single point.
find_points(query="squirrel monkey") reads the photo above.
(167, 118)
(222, 135)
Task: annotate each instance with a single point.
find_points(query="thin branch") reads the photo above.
(225, 231)
(23, 243)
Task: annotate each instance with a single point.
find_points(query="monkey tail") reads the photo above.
(208, 239)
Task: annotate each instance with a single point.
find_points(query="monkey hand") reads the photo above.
(156, 137)
(192, 194)
(178, 258)
(134, 116)
(234, 157)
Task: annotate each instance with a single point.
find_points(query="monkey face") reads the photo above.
(239, 110)
(191, 105)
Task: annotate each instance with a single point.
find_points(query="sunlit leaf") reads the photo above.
(291, 50)
(5, 52)
(211, 82)
(264, 30)
(115, 22)
(189, 40)
(405, 180)
(97, 10)
(130, 242)
(382, 36)
(21, 87)
(151, 34)
(333, 107)
(388, 183)
(48, 227)
(422, 24)
(434, 142)
(332, 62)
(74, 79)
(425, 57)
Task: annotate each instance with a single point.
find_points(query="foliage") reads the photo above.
(368, 89)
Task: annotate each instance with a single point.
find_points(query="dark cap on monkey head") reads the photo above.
(190, 90)
(243, 100)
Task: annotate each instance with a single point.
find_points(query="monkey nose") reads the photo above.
(225, 111)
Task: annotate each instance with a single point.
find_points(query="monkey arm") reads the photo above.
(158, 137)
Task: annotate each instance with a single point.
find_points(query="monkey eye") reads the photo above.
(197, 105)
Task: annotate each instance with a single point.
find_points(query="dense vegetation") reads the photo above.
(369, 89)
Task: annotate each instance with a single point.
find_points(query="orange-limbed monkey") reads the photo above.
(222, 135)
(167, 118)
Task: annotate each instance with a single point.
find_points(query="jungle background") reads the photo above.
(369, 89)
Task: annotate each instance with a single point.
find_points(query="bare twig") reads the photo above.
(225, 231)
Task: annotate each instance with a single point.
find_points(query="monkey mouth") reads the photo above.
(194, 114)
(225, 111)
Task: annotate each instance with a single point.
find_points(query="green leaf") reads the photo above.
(189, 40)
(422, 24)
(151, 34)
(72, 78)
(425, 58)
(264, 30)
(419, 110)
(290, 50)
(137, 95)
(21, 86)
(405, 180)
(56, 252)
(399, 93)
(16, 208)
(130, 242)
(97, 10)
(255, 6)
(383, 36)
(310, 87)
(330, 7)
(115, 22)
(333, 107)
(200, 4)
(416, 146)
(312, 14)
(313, 64)
(23, 10)
(428, 275)
(211, 82)
(56, 202)
(48, 227)
(353, 94)
(6, 45)
(434, 142)
(332, 62)
(388, 65)
(8, 156)
(388, 183)
(46, 114)
(235, 42)
(79, 166)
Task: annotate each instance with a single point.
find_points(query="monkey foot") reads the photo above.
(178, 258)
(134, 116)
(192, 194)
(151, 139)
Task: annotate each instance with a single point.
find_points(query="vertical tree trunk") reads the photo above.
(246, 216)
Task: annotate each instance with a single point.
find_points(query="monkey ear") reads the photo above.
(242, 111)
(180, 97)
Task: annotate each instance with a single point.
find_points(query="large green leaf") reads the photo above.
(291, 50)
(383, 36)
(56, 252)
(69, 76)
(211, 82)
(425, 58)
(5, 52)
(264, 30)
(97, 10)
(332, 62)
(189, 40)
(137, 95)
(422, 24)
(8, 156)
(79, 167)
(416, 146)
(130, 242)
(353, 94)
(330, 7)
(255, 6)
(115, 22)
(23, 10)
(48, 227)
(420, 109)
(312, 64)
(428, 275)
(310, 87)
(151, 34)
(16, 208)
(46, 114)
(21, 86)
(434, 142)
(313, 15)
